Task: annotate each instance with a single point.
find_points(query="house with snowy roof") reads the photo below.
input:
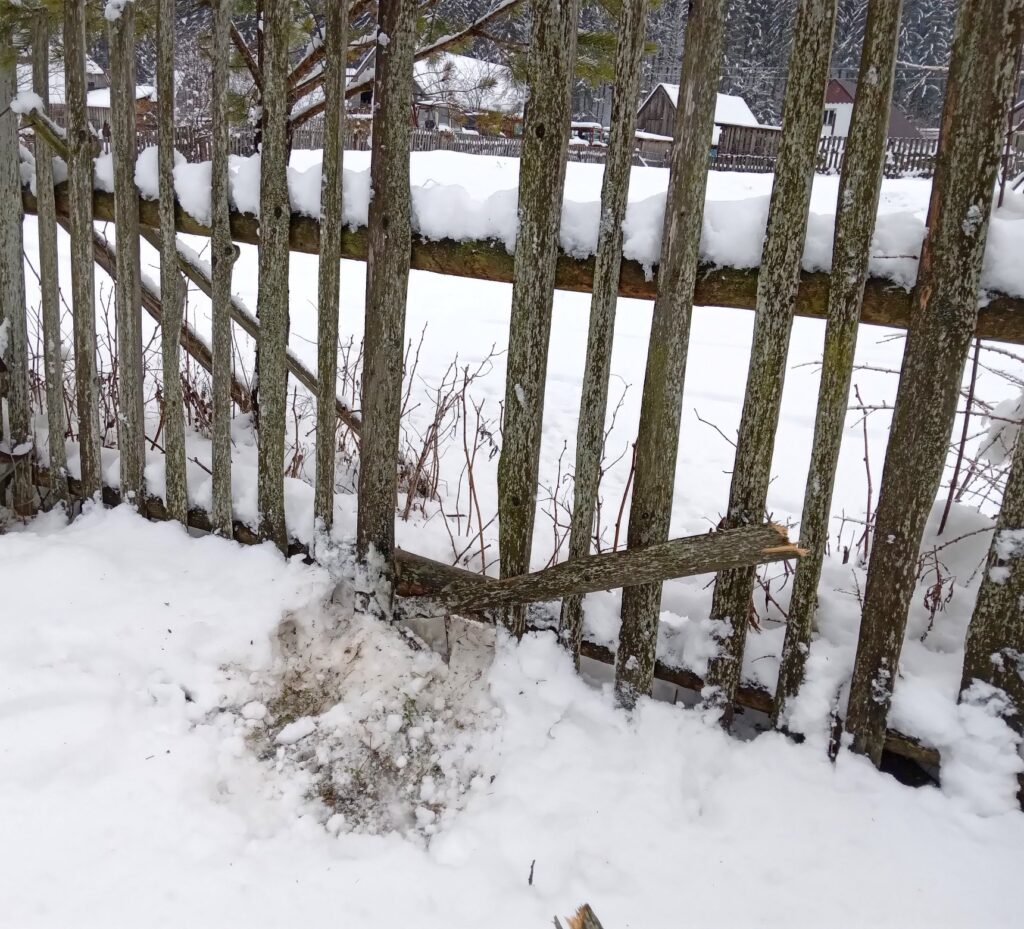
(655, 120)
(839, 97)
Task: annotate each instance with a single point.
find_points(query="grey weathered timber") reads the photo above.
(13, 317)
(1001, 318)
(859, 186)
(387, 278)
(777, 287)
(329, 281)
(987, 36)
(594, 396)
(222, 254)
(79, 212)
(49, 297)
(541, 180)
(272, 302)
(994, 651)
(699, 554)
(172, 289)
(657, 440)
(131, 433)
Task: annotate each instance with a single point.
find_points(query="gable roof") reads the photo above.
(24, 76)
(840, 90)
(730, 109)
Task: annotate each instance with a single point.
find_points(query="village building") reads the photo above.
(655, 121)
(839, 96)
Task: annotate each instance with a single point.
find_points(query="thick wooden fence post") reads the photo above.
(83, 297)
(657, 442)
(859, 186)
(223, 253)
(387, 278)
(53, 359)
(329, 282)
(541, 181)
(13, 319)
(945, 310)
(131, 433)
(272, 302)
(777, 286)
(594, 397)
(172, 287)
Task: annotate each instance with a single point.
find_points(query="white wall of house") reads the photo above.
(836, 121)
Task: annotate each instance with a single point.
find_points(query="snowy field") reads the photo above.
(141, 771)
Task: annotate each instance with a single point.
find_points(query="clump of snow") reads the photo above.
(25, 102)
(147, 171)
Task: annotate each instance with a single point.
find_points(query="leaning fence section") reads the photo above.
(964, 162)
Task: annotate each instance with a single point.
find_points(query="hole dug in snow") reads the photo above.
(381, 735)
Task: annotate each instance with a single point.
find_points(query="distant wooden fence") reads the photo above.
(929, 388)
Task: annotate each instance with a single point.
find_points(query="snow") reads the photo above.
(100, 99)
(26, 102)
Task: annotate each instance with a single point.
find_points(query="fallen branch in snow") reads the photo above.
(583, 918)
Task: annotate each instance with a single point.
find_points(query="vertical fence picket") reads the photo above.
(594, 395)
(777, 284)
(223, 252)
(172, 287)
(83, 298)
(859, 187)
(49, 296)
(272, 300)
(943, 318)
(657, 441)
(541, 182)
(329, 282)
(389, 235)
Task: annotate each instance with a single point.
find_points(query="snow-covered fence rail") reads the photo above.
(941, 316)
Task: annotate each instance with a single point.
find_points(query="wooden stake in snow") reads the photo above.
(387, 279)
(13, 322)
(541, 181)
(172, 289)
(329, 282)
(777, 287)
(272, 302)
(83, 304)
(988, 33)
(222, 252)
(657, 441)
(49, 296)
(859, 186)
(594, 401)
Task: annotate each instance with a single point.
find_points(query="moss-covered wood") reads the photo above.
(172, 290)
(131, 434)
(777, 288)
(658, 437)
(329, 280)
(859, 187)
(272, 300)
(541, 180)
(80, 216)
(387, 279)
(988, 34)
(594, 397)
(49, 296)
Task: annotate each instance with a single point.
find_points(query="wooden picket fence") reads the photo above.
(937, 346)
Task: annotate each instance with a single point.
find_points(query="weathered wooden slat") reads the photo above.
(658, 436)
(594, 396)
(777, 288)
(885, 304)
(856, 207)
(987, 36)
(329, 280)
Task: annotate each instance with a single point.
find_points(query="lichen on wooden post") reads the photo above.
(172, 289)
(859, 186)
(552, 55)
(594, 396)
(223, 252)
(272, 301)
(945, 308)
(387, 277)
(49, 295)
(657, 440)
(83, 305)
(329, 281)
(777, 286)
